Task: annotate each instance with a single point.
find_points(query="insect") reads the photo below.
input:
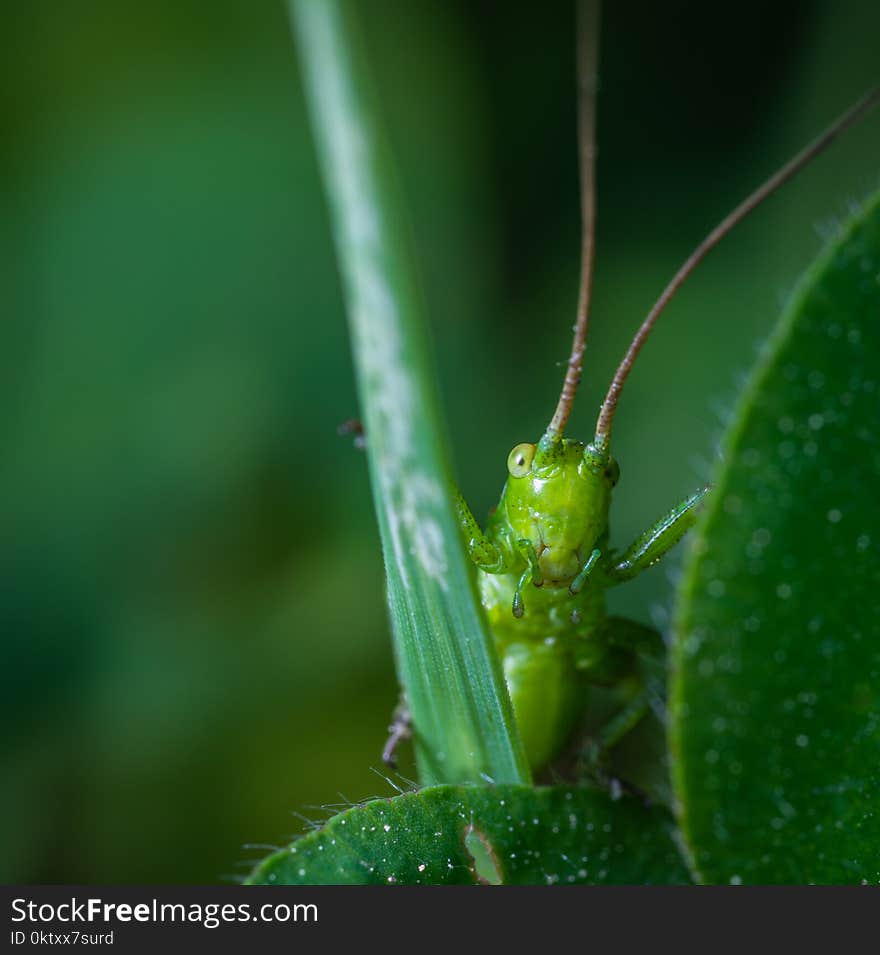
(545, 561)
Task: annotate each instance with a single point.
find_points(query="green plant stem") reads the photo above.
(464, 728)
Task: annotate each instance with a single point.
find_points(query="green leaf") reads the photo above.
(775, 703)
(446, 661)
(513, 835)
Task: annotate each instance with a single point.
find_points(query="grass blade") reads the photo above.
(461, 711)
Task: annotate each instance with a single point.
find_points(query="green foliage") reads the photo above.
(774, 729)
(775, 716)
(193, 629)
(775, 648)
(462, 835)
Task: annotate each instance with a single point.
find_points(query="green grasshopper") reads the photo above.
(544, 561)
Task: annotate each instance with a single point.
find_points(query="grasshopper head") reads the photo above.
(557, 496)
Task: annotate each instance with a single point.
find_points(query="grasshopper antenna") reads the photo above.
(587, 68)
(856, 112)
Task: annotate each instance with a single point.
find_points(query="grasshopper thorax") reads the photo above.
(557, 497)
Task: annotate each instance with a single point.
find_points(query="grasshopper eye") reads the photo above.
(519, 461)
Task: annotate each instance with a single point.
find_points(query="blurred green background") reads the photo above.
(193, 640)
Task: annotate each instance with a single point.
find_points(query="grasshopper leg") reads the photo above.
(624, 721)
(480, 549)
(577, 584)
(355, 428)
(638, 654)
(399, 730)
(658, 539)
(595, 755)
(531, 573)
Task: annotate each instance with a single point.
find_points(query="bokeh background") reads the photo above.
(193, 639)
